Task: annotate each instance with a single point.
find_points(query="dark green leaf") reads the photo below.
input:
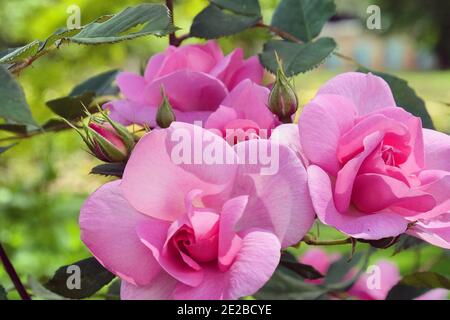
(339, 269)
(55, 125)
(13, 106)
(414, 285)
(101, 84)
(303, 270)
(296, 57)
(93, 277)
(152, 19)
(287, 285)
(39, 291)
(3, 293)
(405, 97)
(114, 290)
(247, 7)
(71, 108)
(406, 242)
(109, 169)
(383, 243)
(303, 18)
(213, 22)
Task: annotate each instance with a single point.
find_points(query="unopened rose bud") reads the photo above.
(283, 100)
(165, 115)
(107, 140)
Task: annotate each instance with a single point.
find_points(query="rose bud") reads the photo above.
(283, 100)
(165, 115)
(106, 139)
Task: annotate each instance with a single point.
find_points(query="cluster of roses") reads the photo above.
(175, 230)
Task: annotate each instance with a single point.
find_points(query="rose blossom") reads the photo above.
(196, 79)
(244, 114)
(373, 171)
(172, 230)
(387, 271)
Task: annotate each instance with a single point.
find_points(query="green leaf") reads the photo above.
(214, 22)
(3, 149)
(339, 269)
(41, 292)
(72, 106)
(101, 84)
(296, 57)
(405, 97)
(152, 19)
(303, 270)
(93, 277)
(414, 285)
(287, 285)
(57, 36)
(3, 293)
(304, 19)
(406, 242)
(21, 53)
(109, 169)
(13, 106)
(247, 7)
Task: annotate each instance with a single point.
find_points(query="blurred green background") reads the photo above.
(44, 180)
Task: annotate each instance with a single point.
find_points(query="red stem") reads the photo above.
(9, 268)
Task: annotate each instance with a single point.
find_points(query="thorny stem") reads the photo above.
(172, 37)
(9, 268)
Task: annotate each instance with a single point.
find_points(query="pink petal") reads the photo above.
(365, 289)
(346, 176)
(436, 294)
(374, 192)
(250, 100)
(161, 288)
(319, 259)
(168, 257)
(437, 150)
(251, 69)
(107, 225)
(436, 183)
(154, 66)
(127, 112)
(220, 118)
(368, 92)
(167, 164)
(288, 135)
(228, 66)
(365, 226)
(272, 174)
(253, 267)
(415, 161)
(132, 86)
(435, 231)
(189, 57)
(229, 241)
(198, 92)
(322, 123)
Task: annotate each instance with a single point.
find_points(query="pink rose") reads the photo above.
(174, 230)
(373, 171)
(365, 288)
(196, 79)
(244, 114)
